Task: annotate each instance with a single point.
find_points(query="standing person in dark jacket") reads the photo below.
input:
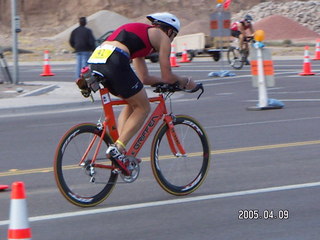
(82, 40)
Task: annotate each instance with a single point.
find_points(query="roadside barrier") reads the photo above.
(173, 58)
(46, 66)
(19, 223)
(263, 75)
(306, 63)
(317, 52)
(184, 58)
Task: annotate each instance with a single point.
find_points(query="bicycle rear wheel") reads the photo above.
(83, 185)
(235, 58)
(181, 175)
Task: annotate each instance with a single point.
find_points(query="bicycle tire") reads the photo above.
(179, 175)
(234, 57)
(72, 179)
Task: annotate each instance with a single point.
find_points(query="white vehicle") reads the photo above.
(195, 44)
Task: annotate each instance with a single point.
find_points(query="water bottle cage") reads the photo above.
(92, 83)
(93, 80)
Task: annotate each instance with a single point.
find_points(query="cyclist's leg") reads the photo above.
(123, 116)
(245, 51)
(241, 42)
(236, 35)
(245, 45)
(132, 116)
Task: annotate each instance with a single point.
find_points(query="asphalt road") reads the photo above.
(264, 162)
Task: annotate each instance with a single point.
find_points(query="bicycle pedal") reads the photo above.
(92, 179)
(131, 159)
(116, 171)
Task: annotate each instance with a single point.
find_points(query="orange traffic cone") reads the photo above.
(317, 54)
(173, 58)
(46, 66)
(19, 224)
(3, 187)
(184, 58)
(306, 63)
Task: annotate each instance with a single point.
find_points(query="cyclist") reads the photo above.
(240, 29)
(111, 60)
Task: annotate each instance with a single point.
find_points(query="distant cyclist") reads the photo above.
(240, 30)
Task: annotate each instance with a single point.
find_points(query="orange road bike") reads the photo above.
(180, 152)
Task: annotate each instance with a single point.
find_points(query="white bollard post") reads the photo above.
(262, 74)
(262, 89)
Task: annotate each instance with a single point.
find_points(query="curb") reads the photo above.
(40, 91)
(7, 112)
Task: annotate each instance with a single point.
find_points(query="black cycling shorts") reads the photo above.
(235, 33)
(119, 77)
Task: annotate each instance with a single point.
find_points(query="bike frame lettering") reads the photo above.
(145, 132)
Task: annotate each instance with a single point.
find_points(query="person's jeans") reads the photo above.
(82, 58)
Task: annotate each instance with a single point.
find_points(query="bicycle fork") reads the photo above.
(173, 138)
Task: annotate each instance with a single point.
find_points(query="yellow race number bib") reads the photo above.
(101, 54)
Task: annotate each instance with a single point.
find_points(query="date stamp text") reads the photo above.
(255, 214)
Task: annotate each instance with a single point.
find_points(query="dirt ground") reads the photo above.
(277, 27)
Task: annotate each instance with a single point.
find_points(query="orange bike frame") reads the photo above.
(160, 111)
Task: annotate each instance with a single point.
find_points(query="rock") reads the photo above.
(19, 90)
(285, 29)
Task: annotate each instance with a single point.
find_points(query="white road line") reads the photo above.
(167, 202)
(262, 122)
(300, 100)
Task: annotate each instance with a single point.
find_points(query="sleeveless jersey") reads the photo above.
(234, 26)
(135, 37)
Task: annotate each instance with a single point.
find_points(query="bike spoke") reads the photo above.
(181, 175)
(84, 184)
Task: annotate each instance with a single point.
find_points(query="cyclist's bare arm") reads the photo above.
(161, 43)
(251, 31)
(244, 31)
(143, 73)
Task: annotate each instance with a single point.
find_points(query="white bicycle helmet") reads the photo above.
(165, 18)
(248, 18)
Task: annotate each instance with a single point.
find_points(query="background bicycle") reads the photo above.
(238, 58)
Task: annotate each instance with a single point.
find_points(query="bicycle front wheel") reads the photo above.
(83, 184)
(181, 175)
(235, 58)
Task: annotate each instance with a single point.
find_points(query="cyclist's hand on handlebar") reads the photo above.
(162, 87)
(165, 88)
(187, 83)
(198, 86)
